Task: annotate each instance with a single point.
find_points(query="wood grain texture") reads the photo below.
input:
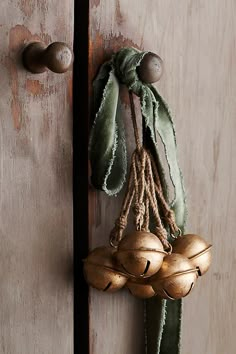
(196, 40)
(115, 320)
(36, 293)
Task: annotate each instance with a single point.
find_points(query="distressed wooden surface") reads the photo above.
(36, 289)
(196, 40)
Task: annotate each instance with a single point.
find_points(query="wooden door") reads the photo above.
(196, 40)
(36, 293)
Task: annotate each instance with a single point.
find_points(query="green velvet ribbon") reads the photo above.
(109, 166)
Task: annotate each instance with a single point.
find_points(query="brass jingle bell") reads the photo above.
(101, 272)
(175, 279)
(140, 288)
(140, 254)
(196, 249)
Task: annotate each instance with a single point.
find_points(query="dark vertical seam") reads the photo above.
(80, 173)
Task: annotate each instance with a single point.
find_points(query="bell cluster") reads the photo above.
(141, 264)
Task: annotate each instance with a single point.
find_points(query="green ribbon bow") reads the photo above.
(109, 166)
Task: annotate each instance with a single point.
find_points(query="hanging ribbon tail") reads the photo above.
(165, 127)
(171, 336)
(163, 318)
(154, 324)
(107, 146)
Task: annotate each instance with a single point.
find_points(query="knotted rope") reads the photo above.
(144, 191)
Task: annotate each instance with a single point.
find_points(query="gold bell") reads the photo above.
(176, 278)
(101, 272)
(196, 249)
(140, 254)
(140, 288)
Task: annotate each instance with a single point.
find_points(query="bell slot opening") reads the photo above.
(191, 287)
(146, 268)
(107, 287)
(199, 271)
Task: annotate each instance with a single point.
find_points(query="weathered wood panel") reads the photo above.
(196, 40)
(36, 290)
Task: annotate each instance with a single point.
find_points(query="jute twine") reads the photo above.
(144, 194)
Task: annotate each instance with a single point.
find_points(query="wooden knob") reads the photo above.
(150, 69)
(57, 57)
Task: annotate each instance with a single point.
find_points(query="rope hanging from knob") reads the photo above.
(143, 261)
